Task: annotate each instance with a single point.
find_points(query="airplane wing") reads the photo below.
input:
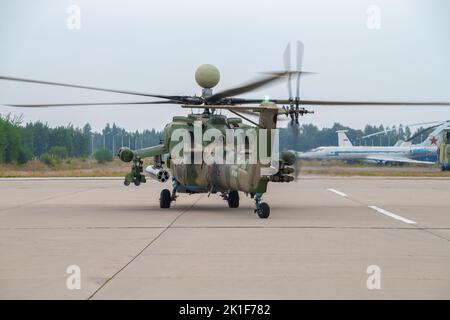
(395, 159)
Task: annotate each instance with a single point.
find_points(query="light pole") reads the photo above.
(113, 146)
(104, 139)
(92, 144)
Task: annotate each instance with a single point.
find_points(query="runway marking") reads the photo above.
(392, 215)
(218, 227)
(58, 179)
(44, 199)
(338, 192)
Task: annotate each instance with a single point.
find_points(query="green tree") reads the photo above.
(407, 132)
(59, 152)
(103, 156)
(49, 160)
(11, 148)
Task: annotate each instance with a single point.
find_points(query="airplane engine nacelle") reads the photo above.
(159, 174)
(125, 154)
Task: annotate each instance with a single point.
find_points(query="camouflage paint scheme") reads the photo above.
(193, 178)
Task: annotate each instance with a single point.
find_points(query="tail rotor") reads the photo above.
(294, 110)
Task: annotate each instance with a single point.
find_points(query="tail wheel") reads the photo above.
(165, 199)
(263, 210)
(233, 199)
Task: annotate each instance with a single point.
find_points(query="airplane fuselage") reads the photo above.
(363, 153)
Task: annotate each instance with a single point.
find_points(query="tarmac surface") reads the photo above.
(323, 236)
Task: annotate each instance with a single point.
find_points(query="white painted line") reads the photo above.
(59, 178)
(338, 192)
(392, 215)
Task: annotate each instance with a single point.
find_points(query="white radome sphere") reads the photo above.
(207, 76)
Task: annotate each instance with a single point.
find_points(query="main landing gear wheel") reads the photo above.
(233, 199)
(165, 199)
(263, 210)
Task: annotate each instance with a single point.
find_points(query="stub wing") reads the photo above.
(157, 150)
(381, 158)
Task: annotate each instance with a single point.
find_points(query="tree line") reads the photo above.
(20, 142)
(310, 136)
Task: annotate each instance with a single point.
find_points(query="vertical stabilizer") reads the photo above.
(435, 137)
(343, 140)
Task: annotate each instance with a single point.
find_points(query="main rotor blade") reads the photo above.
(238, 101)
(90, 88)
(89, 104)
(271, 79)
(370, 103)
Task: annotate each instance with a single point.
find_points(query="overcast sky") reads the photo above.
(155, 47)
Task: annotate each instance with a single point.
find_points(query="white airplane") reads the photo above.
(402, 152)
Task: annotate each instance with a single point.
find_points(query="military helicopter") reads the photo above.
(226, 179)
